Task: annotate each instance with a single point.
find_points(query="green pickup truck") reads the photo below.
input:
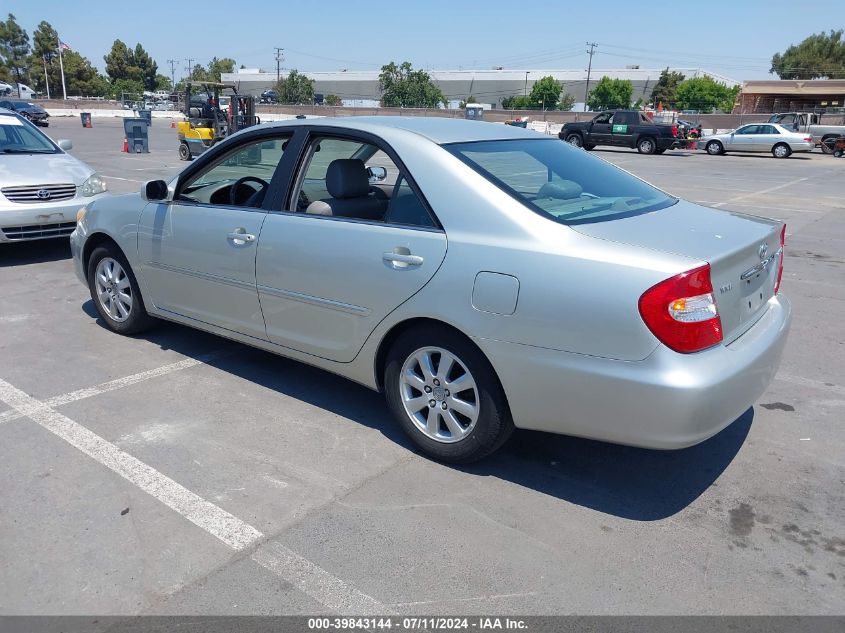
(622, 128)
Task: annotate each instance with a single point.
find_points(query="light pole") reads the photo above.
(526, 82)
(591, 52)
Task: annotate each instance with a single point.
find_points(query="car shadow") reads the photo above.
(34, 252)
(677, 153)
(631, 483)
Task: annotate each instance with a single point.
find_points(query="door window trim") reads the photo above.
(314, 132)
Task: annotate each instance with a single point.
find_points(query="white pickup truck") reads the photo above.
(811, 122)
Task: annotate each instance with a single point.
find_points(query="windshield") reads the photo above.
(559, 181)
(17, 137)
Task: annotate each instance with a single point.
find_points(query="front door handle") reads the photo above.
(240, 237)
(402, 261)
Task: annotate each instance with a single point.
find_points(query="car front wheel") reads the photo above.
(714, 148)
(115, 291)
(446, 395)
(575, 139)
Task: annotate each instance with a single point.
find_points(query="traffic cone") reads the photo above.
(125, 146)
(172, 124)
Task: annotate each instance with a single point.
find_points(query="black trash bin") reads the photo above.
(86, 119)
(137, 136)
(147, 115)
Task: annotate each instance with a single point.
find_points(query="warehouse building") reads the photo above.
(360, 87)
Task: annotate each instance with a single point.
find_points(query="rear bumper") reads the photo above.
(666, 401)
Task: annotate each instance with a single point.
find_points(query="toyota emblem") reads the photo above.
(763, 250)
(43, 194)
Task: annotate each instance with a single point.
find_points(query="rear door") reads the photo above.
(326, 281)
(766, 138)
(622, 127)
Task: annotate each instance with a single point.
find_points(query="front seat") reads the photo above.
(349, 187)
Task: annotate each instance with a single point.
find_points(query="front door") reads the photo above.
(600, 130)
(346, 253)
(743, 139)
(197, 252)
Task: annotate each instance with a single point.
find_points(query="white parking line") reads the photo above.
(119, 383)
(761, 191)
(306, 576)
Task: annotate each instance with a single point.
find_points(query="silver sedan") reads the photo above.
(758, 137)
(483, 276)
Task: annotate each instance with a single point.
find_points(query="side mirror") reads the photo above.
(376, 173)
(64, 144)
(154, 191)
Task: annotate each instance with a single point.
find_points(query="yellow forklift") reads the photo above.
(206, 122)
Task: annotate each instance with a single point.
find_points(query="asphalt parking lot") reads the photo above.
(298, 495)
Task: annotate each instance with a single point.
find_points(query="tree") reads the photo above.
(81, 77)
(295, 89)
(132, 88)
(403, 87)
(705, 94)
(14, 49)
(665, 88)
(610, 94)
(124, 63)
(333, 100)
(818, 56)
(45, 50)
(545, 93)
(163, 82)
(567, 102)
(218, 66)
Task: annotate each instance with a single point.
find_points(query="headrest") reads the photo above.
(563, 190)
(347, 178)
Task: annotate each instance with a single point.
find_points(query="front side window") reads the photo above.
(748, 129)
(560, 182)
(239, 178)
(605, 117)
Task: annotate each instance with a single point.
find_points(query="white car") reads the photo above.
(42, 187)
(758, 137)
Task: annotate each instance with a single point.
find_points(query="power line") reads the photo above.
(592, 50)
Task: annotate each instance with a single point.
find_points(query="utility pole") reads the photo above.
(279, 58)
(172, 63)
(592, 46)
(190, 67)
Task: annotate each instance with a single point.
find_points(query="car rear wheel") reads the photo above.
(184, 151)
(714, 148)
(446, 395)
(837, 153)
(115, 291)
(646, 146)
(781, 150)
(575, 139)
(827, 148)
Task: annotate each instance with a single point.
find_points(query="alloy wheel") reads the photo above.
(113, 289)
(439, 394)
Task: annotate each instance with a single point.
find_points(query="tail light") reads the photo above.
(674, 130)
(681, 311)
(808, 139)
(780, 260)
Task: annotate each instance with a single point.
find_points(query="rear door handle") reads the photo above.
(404, 260)
(240, 236)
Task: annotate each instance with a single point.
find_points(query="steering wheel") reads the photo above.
(233, 192)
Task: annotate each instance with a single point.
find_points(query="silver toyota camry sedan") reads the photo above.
(483, 276)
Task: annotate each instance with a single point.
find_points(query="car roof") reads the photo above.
(440, 130)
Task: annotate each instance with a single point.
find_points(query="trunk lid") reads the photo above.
(742, 251)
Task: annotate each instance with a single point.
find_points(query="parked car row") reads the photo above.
(633, 129)
(32, 112)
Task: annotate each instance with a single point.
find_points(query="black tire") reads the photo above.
(646, 145)
(781, 150)
(837, 153)
(575, 139)
(137, 320)
(494, 424)
(714, 148)
(184, 151)
(827, 148)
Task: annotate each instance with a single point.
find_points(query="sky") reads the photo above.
(725, 37)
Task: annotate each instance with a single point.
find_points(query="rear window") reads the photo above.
(561, 182)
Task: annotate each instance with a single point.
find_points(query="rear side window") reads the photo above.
(561, 182)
